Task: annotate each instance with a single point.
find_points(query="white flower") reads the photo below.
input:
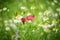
(50, 9)
(46, 12)
(40, 15)
(53, 3)
(46, 26)
(18, 19)
(54, 22)
(45, 18)
(53, 15)
(32, 7)
(58, 9)
(33, 30)
(15, 37)
(13, 26)
(23, 8)
(21, 17)
(28, 14)
(4, 9)
(56, 15)
(22, 13)
(6, 22)
(38, 28)
(7, 28)
(55, 29)
(29, 22)
(39, 24)
(10, 21)
(47, 30)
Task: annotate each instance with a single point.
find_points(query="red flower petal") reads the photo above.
(23, 20)
(30, 17)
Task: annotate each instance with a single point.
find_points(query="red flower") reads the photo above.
(30, 17)
(23, 20)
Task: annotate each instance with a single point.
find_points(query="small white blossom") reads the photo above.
(47, 12)
(53, 15)
(57, 30)
(58, 9)
(6, 22)
(17, 21)
(33, 30)
(38, 28)
(53, 3)
(45, 18)
(32, 7)
(28, 14)
(29, 22)
(22, 13)
(46, 26)
(23, 8)
(46, 30)
(39, 24)
(56, 15)
(7, 28)
(21, 17)
(10, 21)
(40, 13)
(4, 9)
(13, 26)
(53, 23)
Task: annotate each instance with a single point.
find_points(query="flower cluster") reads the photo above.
(48, 20)
(4, 9)
(22, 19)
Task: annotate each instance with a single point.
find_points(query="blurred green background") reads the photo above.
(31, 30)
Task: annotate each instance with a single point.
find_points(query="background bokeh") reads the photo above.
(44, 26)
